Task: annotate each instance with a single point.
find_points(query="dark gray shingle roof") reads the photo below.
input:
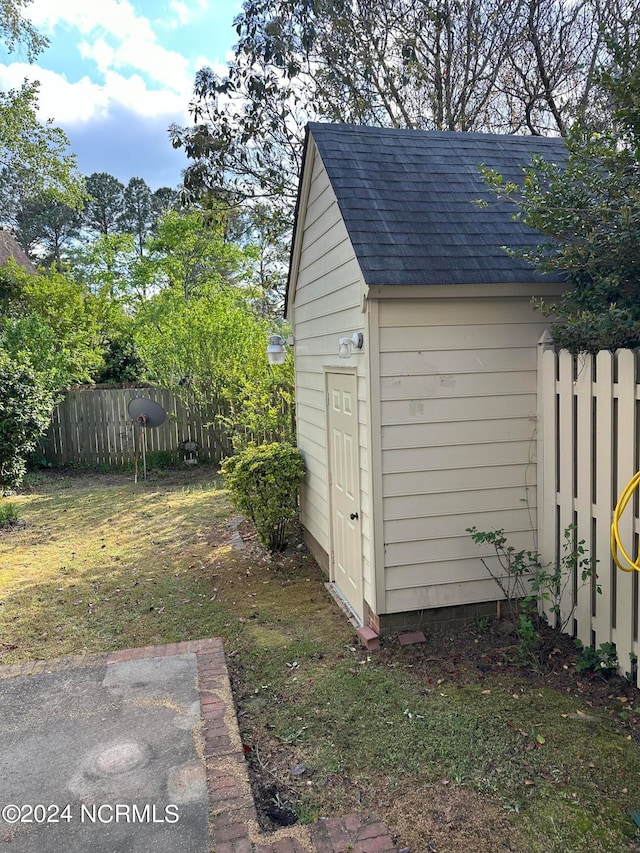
(407, 198)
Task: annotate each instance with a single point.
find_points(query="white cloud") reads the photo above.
(132, 87)
(84, 100)
(58, 99)
(133, 93)
(117, 17)
(182, 12)
(119, 127)
(166, 68)
(116, 37)
(101, 53)
(134, 72)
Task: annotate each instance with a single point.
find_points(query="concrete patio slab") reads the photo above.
(139, 751)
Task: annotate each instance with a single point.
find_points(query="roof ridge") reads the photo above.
(315, 126)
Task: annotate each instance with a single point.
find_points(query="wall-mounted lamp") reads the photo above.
(356, 341)
(276, 352)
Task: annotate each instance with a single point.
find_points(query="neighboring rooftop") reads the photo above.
(408, 199)
(9, 248)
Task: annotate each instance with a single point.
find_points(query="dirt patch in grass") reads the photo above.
(450, 742)
(440, 817)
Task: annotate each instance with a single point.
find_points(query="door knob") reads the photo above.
(354, 516)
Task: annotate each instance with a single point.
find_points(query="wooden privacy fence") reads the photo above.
(588, 450)
(91, 426)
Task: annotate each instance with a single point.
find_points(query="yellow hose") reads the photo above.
(616, 544)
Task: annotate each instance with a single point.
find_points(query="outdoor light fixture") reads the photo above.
(276, 352)
(356, 340)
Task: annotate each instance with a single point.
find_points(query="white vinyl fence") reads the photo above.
(588, 450)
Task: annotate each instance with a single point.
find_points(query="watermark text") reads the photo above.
(102, 813)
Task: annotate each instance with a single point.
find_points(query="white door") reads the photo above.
(344, 486)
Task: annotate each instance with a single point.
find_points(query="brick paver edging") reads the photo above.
(233, 820)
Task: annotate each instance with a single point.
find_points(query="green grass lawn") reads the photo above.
(452, 761)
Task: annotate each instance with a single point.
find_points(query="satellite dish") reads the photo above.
(144, 413)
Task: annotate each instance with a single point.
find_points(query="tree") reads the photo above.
(44, 226)
(33, 156)
(163, 200)
(188, 249)
(266, 235)
(122, 362)
(108, 269)
(211, 350)
(548, 79)
(105, 205)
(138, 210)
(528, 65)
(16, 30)
(53, 325)
(107, 266)
(588, 212)
(200, 332)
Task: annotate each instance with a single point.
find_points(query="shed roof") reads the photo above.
(409, 202)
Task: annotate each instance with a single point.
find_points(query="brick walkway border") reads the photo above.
(233, 821)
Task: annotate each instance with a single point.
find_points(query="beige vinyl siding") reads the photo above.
(327, 305)
(411, 485)
(458, 428)
(439, 595)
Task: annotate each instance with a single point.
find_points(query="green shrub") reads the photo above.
(9, 514)
(264, 483)
(161, 459)
(527, 583)
(25, 411)
(602, 661)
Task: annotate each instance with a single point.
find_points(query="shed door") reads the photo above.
(345, 488)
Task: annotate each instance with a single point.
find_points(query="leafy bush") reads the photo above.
(526, 582)
(161, 459)
(264, 483)
(54, 324)
(9, 515)
(25, 411)
(121, 360)
(602, 661)
(262, 407)
(580, 324)
(209, 350)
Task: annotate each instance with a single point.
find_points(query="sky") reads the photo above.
(117, 73)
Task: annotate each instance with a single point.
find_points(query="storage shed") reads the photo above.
(415, 352)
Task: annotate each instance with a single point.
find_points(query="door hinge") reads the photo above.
(330, 479)
(333, 558)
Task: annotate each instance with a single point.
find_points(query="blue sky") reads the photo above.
(117, 73)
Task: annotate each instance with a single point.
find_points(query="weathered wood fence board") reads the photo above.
(91, 426)
(588, 450)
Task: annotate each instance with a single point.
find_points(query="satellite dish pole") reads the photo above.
(145, 414)
(141, 420)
